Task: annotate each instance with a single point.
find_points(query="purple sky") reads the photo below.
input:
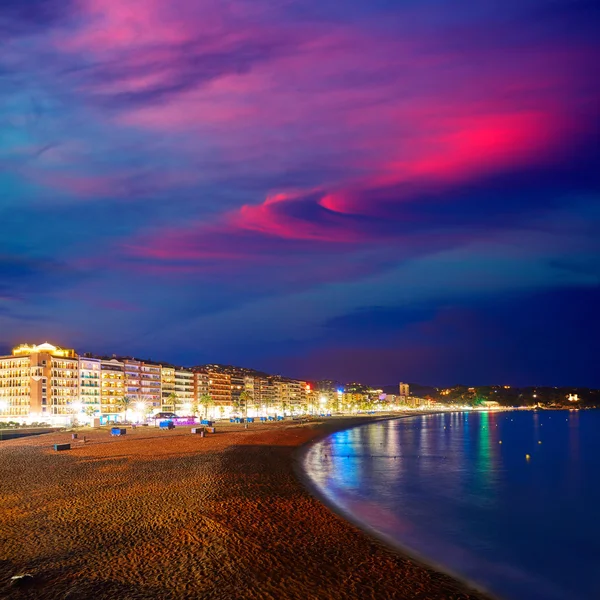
(362, 190)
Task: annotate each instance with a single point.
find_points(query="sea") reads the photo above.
(508, 501)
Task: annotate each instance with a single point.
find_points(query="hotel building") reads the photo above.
(39, 383)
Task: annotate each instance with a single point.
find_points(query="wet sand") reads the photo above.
(170, 515)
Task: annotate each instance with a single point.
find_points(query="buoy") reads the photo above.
(527, 457)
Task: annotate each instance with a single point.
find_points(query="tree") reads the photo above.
(124, 404)
(245, 398)
(172, 399)
(206, 402)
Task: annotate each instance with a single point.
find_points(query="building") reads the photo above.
(403, 393)
(185, 392)
(219, 389)
(167, 379)
(150, 387)
(112, 386)
(201, 385)
(295, 396)
(237, 387)
(353, 401)
(133, 380)
(39, 383)
(90, 385)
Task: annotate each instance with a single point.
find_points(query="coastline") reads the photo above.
(171, 515)
(387, 541)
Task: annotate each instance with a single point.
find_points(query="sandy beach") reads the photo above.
(168, 515)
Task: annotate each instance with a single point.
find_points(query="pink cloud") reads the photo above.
(386, 117)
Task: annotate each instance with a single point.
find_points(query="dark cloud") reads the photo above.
(19, 17)
(533, 339)
(22, 277)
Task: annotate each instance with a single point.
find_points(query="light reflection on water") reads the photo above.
(457, 488)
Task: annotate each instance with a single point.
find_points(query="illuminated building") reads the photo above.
(219, 388)
(167, 378)
(403, 393)
(39, 383)
(201, 385)
(90, 385)
(292, 395)
(132, 387)
(184, 390)
(353, 400)
(237, 387)
(150, 387)
(112, 386)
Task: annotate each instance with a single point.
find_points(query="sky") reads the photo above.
(364, 190)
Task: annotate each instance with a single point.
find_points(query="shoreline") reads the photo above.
(387, 541)
(224, 516)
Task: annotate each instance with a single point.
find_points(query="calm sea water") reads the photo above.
(458, 490)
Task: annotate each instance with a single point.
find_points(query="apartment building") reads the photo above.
(403, 393)
(167, 379)
(293, 394)
(90, 384)
(185, 392)
(219, 388)
(201, 384)
(237, 387)
(150, 385)
(112, 386)
(133, 380)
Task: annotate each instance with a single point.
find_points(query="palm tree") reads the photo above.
(124, 404)
(172, 399)
(244, 397)
(206, 402)
(90, 411)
